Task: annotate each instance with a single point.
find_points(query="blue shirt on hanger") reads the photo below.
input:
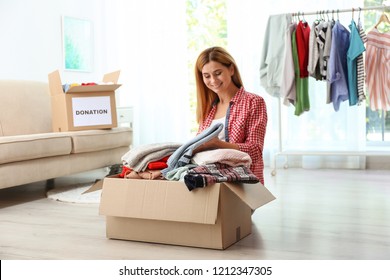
(338, 72)
(356, 47)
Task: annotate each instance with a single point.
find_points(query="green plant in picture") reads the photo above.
(72, 57)
(77, 40)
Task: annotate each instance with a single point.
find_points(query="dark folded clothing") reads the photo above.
(209, 174)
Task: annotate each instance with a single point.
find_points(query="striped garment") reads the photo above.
(378, 69)
(360, 67)
(209, 174)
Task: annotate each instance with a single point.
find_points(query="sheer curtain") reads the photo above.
(320, 129)
(147, 41)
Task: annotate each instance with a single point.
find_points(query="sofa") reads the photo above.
(29, 149)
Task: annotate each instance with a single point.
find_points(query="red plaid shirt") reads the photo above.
(247, 122)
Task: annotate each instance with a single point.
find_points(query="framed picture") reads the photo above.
(77, 37)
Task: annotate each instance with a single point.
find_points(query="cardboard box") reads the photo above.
(161, 211)
(83, 107)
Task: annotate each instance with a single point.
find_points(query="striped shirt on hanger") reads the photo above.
(378, 69)
(360, 67)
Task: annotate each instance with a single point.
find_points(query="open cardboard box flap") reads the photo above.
(112, 77)
(55, 84)
(254, 195)
(94, 88)
(98, 185)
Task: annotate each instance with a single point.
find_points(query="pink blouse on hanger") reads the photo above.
(378, 69)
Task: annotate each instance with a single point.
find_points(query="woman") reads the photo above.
(222, 98)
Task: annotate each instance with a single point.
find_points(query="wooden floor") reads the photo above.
(318, 215)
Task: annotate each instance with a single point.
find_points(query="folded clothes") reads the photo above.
(230, 157)
(66, 87)
(159, 164)
(204, 175)
(125, 171)
(89, 84)
(178, 174)
(147, 174)
(156, 165)
(182, 156)
(139, 157)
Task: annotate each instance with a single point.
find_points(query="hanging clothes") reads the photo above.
(338, 72)
(302, 84)
(360, 67)
(302, 35)
(319, 52)
(272, 54)
(288, 87)
(356, 48)
(378, 69)
(324, 41)
(314, 55)
(326, 51)
(327, 48)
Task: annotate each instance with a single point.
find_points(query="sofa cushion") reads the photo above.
(27, 147)
(25, 108)
(98, 140)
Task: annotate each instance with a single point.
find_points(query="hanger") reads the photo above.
(322, 13)
(317, 20)
(359, 23)
(383, 19)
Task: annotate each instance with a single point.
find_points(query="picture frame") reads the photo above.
(77, 40)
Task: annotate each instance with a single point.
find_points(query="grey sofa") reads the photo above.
(30, 151)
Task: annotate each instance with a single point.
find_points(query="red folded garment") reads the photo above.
(125, 170)
(88, 84)
(159, 164)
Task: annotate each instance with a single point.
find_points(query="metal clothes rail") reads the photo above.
(383, 7)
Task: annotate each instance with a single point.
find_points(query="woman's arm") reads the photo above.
(216, 143)
(255, 129)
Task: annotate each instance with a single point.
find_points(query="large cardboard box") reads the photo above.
(83, 107)
(162, 211)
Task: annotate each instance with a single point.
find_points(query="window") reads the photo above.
(377, 122)
(206, 27)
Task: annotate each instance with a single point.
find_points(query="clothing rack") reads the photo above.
(322, 153)
(383, 7)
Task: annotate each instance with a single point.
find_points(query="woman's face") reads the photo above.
(217, 76)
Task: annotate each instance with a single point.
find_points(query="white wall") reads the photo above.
(31, 38)
(144, 39)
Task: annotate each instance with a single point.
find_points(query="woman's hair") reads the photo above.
(205, 97)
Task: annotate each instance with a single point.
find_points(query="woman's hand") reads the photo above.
(215, 143)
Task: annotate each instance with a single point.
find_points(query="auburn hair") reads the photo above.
(204, 96)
